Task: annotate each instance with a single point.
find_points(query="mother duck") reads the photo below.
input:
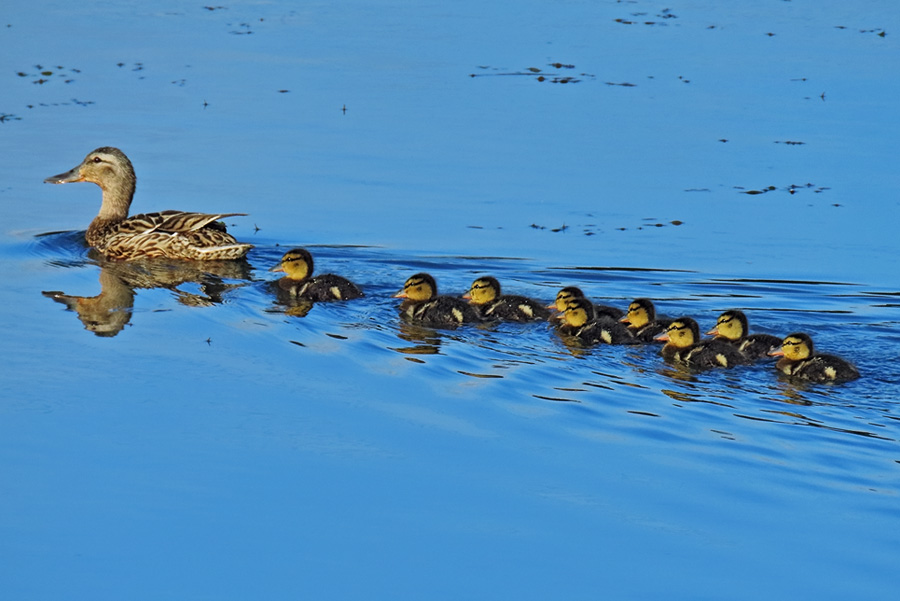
(171, 234)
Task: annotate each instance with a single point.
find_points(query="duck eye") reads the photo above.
(97, 160)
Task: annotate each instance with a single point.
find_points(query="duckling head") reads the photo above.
(297, 264)
(640, 312)
(731, 325)
(483, 291)
(418, 288)
(681, 333)
(578, 312)
(795, 347)
(564, 296)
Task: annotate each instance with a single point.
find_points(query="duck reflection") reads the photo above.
(109, 312)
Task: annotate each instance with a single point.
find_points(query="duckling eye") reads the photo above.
(97, 160)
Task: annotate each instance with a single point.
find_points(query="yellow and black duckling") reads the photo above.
(799, 360)
(172, 234)
(571, 292)
(487, 299)
(731, 327)
(683, 346)
(298, 282)
(643, 322)
(579, 321)
(422, 305)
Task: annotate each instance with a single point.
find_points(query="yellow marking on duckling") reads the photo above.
(722, 359)
(831, 373)
(457, 314)
(606, 336)
(336, 292)
(526, 310)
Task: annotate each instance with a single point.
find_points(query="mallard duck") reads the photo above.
(579, 321)
(799, 360)
(172, 234)
(571, 292)
(683, 346)
(422, 304)
(732, 327)
(487, 299)
(298, 282)
(641, 319)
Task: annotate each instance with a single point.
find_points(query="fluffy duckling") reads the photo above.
(580, 321)
(487, 299)
(641, 319)
(683, 346)
(172, 234)
(422, 304)
(571, 292)
(297, 265)
(799, 360)
(731, 327)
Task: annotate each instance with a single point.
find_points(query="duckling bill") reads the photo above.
(171, 234)
(299, 283)
(423, 305)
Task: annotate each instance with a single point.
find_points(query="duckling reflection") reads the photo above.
(109, 312)
(425, 341)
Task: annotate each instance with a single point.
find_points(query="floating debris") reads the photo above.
(537, 73)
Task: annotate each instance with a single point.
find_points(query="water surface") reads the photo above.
(191, 439)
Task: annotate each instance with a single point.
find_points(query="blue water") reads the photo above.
(210, 445)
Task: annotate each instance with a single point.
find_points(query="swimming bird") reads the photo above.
(643, 322)
(172, 234)
(298, 282)
(490, 303)
(684, 347)
(799, 360)
(422, 304)
(579, 321)
(570, 292)
(731, 327)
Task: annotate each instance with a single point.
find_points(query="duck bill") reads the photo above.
(713, 332)
(625, 321)
(664, 337)
(553, 306)
(776, 352)
(401, 294)
(467, 296)
(73, 175)
(277, 268)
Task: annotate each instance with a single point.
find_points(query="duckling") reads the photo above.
(570, 292)
(580, 322)
(297, 264)
(799, 360)
(643, 321)
(172, 234)
(425, 307)
(731, 327)
(683, 346)
(485, 296)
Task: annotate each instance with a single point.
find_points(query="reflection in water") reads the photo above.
(426, 340)
(110, 311)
